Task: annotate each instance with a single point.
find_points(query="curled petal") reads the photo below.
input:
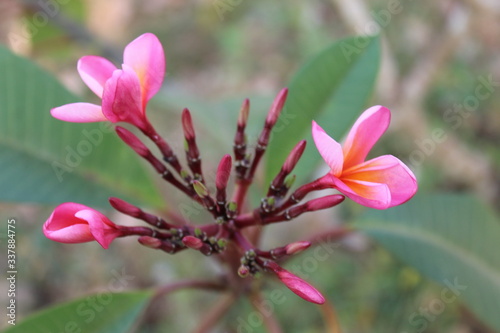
(374, 195)
(390, 171)
(364, 134)
(63, 226)
(103, 230)
(146, 57)
(330, 150)
(121, 100)
(95, 71)
(79, 113)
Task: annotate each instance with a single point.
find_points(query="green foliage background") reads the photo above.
(215, 58)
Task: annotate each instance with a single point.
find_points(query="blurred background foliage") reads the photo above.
(434, 55)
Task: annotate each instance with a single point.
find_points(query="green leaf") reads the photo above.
(332, 88)
(45, 160)
(101, 313)
(452, 239)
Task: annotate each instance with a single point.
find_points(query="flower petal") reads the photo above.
(79, 113)
(364, 134)
(77, 233)
(95, 71)
(103, 230)
(121, 100)
(300, 287)
(63, 226)
(390, 171)
(330, 150)
(373, 195)
(146, 57)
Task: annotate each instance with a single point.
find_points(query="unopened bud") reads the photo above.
(324, 202)
(125, 207)
(296, 247)
(200, 189)
(276, 107)
(243, 271)
(192, 242)
(150, 242)
(294, 157)
(223, 172)
(132, 141)
(187, 125)
(300, 287)
(244, 111)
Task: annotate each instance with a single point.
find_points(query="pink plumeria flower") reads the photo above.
(75, 223)
(379, 183)
(124, 92)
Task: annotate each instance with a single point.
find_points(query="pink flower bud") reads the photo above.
(243, 271)
(150, 242)
(296, 247)
(192, 242)
(276, 107)
(187, 125)
(75, 223)
(124, 207)
(324, 202)
(294, 157)
(132, 141)
(296, 284)
(223, 172)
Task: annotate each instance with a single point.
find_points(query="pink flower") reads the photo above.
(75, 223)
(125, 92)
(379, 183)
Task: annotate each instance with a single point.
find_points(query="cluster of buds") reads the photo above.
(232, 234)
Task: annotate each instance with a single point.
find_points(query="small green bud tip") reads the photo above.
(271, 201)
(198, 233)
(290, 180)
(250, 254)
(184, 174)
(222, 243)
(220, 220)
(232, 206)
(200, 189)
(186, 145)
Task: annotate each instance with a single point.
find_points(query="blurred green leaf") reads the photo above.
(45, 160)
(452, 239)
(332, 88)
(102, 313)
